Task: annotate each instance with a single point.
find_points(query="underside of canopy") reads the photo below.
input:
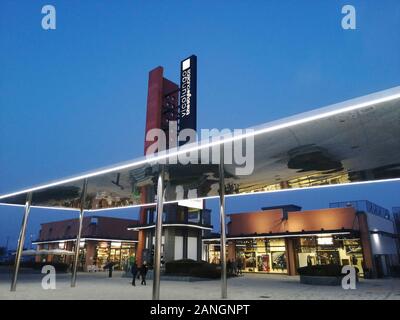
(349, 142)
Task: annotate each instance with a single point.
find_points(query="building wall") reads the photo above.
(366, 244)
(383, 244)
(256, 222)
(106, 227)
(327, 219)
(382, 224)
(271, 221)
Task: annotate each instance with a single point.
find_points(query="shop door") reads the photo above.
(379, 266)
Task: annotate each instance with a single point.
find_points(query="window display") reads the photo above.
(279, 261)
(262, 255)
(269, 255)
(263, 263)
(119, 254)
(214, 254)
(325, 249)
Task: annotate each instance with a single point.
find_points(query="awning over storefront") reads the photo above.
(82, 240)
(57, 252)
(356, 141)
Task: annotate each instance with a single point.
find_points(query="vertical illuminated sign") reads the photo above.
(188, 94)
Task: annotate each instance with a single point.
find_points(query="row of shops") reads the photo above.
(282, 239)
(271, 255)
(104, 240)
(276, 240)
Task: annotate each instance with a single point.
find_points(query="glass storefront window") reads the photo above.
(269, 255)
(321, 250)
(214, 253)
(101, 254)
(118, 252)
(262, 255)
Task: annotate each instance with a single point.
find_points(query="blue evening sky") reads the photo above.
(74, 98)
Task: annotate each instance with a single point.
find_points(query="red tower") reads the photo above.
(162, 107)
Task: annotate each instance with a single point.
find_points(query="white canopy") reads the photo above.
(356, 141)
(57, 252)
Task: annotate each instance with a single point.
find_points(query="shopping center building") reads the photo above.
(273, 240)
(104, 239)
(283, 238)
(353, 142)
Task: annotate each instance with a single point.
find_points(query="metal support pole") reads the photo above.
(78, 237)
(224, 289)
(158, 236)
(21, 241)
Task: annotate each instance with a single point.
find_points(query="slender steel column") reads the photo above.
(78, 237)
(21, 241)
(158, 236)
(224, 286)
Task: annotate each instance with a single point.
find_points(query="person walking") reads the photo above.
(143, 272)
(234, 267)
(229, 266)
(239, 266)
(134, 271)
(109, 266)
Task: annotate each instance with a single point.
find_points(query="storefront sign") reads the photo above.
(188, 94)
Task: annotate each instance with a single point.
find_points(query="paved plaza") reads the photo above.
(249, 286)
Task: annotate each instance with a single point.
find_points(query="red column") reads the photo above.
(290, 257)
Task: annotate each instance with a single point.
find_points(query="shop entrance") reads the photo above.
(327, 249)
(262, 255)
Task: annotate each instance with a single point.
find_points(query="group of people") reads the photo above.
(135, 270)
(139, 273)
(234, 267)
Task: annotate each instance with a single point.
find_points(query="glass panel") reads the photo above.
(330, 250)
(262, 255)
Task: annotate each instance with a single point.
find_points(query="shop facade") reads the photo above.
(277, 254)
(279, 241)
(104, 240)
